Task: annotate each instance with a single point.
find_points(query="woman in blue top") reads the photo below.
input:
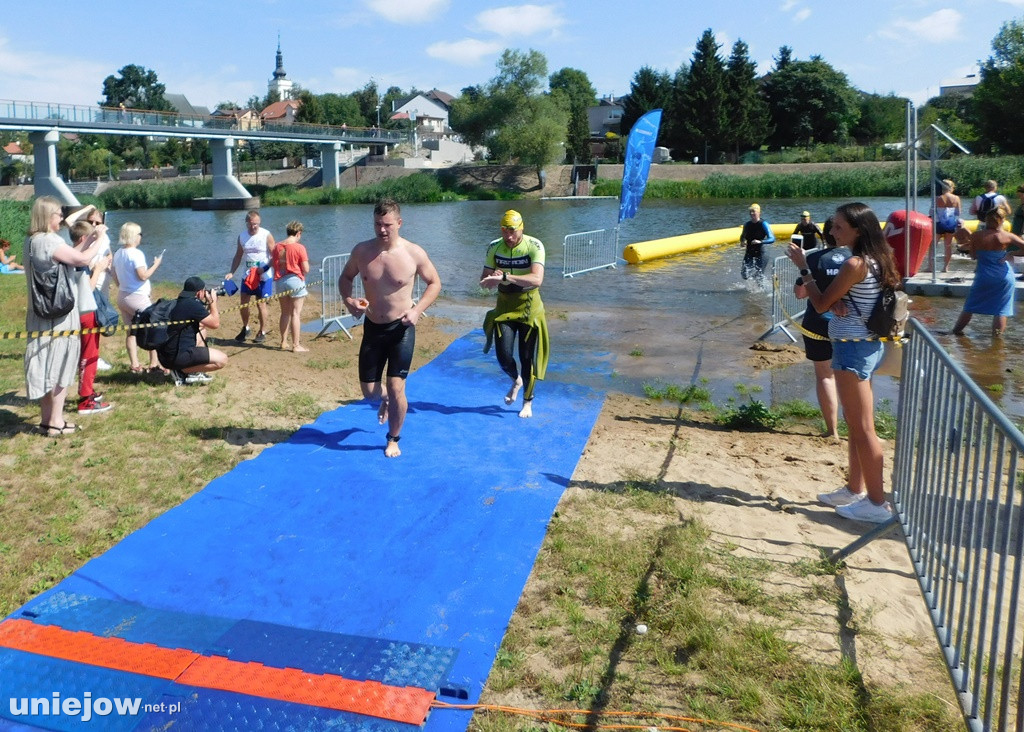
(856, 351)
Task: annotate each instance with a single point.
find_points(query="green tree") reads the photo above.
(749, 123)
(474, 115)
(648, 90)
(342, 109)
(136, 88)
(997, 98)
(367, 100)
(511, 115)
(258, 103)
(310, 112)
(534, 137)
(955, 114)
(810, 102)
(574, 85)
(520, 75)
(578, 134)
(882, 119)
(699, 114)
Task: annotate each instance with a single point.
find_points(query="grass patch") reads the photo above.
(679, 394)
(717, 643)
(65, 501)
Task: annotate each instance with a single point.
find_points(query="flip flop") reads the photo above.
(48, 430)
(137, 369)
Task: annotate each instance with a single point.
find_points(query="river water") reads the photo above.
(672, 321)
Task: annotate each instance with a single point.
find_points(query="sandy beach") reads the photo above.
(755, 491)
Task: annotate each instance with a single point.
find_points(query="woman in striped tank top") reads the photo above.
(856, 352)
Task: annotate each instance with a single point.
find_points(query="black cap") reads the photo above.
(194, 284)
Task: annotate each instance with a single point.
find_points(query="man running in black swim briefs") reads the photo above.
(388, 265)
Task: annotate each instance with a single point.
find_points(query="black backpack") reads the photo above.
(986, 206)
(150, 325)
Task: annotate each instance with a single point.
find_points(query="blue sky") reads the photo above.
(221, 50)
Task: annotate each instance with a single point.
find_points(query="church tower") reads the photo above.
(279, 84)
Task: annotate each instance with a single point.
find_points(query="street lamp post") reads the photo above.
(412, 129)
(378, 113)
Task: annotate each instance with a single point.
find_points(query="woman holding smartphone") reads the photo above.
(856, 351)
(133, 289)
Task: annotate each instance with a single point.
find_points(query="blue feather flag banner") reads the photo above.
(639, 150)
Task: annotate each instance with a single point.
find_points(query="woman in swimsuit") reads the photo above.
(946, 212)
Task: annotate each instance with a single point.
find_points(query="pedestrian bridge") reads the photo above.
(45, 121)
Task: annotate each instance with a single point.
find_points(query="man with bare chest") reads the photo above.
(388, 265)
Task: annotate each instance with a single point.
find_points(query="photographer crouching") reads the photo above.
(194, 312)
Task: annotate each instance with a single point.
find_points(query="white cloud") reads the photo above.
(802, 15)
(521, 20)
(1014, 3)
(467, 52)
(941, 26)
(788, 5)
(346, 77)
(408, 11)
(30, 76)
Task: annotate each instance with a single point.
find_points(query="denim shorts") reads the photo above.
(291, 282)
(860, 357)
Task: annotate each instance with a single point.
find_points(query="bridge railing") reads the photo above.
(59, 114)
(957, 480)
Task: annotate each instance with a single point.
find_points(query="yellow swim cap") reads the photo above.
(512, 220)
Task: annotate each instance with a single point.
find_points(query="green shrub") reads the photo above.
(14, 220)
(969, 173)
(178, 194)
(755, 415)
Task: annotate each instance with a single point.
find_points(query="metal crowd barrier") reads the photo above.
(783, 300)
(589, 250)
(332, 309)
(957, 490)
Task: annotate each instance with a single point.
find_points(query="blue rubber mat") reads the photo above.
(323, 534)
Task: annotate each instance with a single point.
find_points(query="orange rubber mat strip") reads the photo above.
(95, 650)
(403, 704)
(400, 704)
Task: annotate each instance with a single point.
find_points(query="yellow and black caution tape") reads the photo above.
(112, 329)
(816, 337)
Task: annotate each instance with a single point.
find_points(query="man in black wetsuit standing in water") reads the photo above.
(755, 235)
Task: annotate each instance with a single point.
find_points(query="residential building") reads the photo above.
(237, 119)
(280, 113)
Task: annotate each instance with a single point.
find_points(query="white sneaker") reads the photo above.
(102, 365)
(866, 511)
(198, 378)
(841, 497)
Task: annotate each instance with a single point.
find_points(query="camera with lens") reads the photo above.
(219, 290)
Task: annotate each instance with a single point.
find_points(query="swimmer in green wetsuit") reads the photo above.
(514, 264)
